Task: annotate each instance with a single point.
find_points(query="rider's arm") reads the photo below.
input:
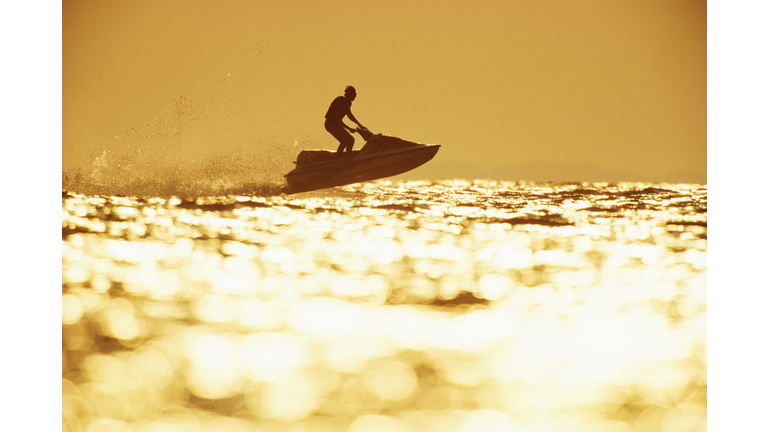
(352, 117)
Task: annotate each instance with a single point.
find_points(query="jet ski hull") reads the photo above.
(340, 170)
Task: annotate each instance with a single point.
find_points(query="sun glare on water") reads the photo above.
(454, 306)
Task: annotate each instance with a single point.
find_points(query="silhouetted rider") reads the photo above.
(334, 124)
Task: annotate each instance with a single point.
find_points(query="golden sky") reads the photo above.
(513, 90)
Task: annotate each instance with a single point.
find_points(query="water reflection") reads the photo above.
(456, 306)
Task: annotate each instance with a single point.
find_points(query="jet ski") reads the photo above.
(381, 156)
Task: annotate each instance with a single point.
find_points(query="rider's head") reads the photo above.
(350, 92)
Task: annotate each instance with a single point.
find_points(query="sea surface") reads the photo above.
(390, 306)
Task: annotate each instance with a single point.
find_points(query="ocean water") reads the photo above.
(389, 306)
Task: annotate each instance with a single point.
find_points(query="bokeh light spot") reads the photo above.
(391, 380)
(71, 309)
(214, 370)
(288, 400)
